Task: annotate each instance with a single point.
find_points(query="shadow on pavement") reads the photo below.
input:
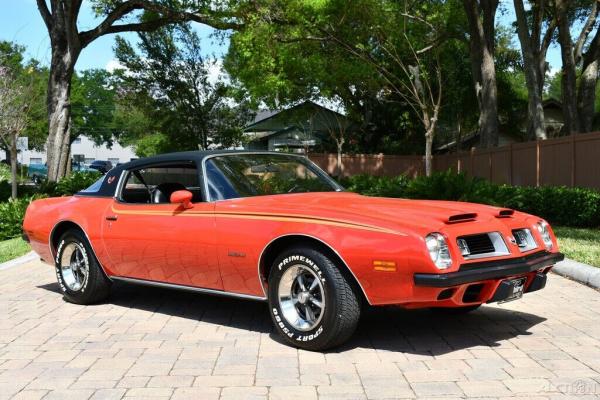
(420, 332)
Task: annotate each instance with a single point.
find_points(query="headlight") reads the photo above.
(438, 250)
(544, 231)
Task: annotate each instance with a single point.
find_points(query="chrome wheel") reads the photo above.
(301, 297)
(74, 266)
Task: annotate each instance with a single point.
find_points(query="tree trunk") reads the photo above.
(569, 79)
(481, 32)
(13, 166)
(535, 108)
(586, 96)
(428, 153)
(59, 112)
(340, 168)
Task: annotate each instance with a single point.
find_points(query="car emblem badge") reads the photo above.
(110, 179)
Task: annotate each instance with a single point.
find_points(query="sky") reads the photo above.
(21, 22)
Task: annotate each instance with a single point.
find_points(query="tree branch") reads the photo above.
(585, 31)
(548, 37)
(46, 16)
(168, 16)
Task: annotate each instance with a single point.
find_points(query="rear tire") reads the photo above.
(312, 305)
(79, 274)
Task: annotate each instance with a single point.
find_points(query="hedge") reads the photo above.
(576, 207)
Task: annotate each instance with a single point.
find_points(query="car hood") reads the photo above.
(389, 213)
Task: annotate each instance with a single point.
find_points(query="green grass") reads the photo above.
(13, 248)
(579, 244)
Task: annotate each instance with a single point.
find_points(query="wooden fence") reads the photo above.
(571, 161)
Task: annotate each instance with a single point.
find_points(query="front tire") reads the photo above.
(312, 304)
(79, 274)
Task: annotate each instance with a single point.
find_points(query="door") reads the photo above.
(149, 238)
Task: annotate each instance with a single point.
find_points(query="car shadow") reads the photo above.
(420, 332)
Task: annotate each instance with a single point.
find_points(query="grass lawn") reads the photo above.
(579, 244)
(12, 248)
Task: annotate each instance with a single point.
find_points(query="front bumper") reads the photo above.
(486, 270)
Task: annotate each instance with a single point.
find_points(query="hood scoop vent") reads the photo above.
(461, 218)
(507, 213)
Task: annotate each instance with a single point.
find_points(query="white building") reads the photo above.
(85, 150)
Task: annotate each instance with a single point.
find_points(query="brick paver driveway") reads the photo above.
(151, 343)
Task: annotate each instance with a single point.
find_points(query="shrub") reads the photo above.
(4, 173)
(71, 184)
(377, 185)
(577, 207)
(11, 216)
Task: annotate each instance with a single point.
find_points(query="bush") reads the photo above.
(577, 207)
(4, 173)
(12, 213)
(71, 184)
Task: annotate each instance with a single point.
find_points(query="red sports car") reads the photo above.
(274, 227)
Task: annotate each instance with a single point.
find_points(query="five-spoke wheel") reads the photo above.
(301, 297)
(312, 302)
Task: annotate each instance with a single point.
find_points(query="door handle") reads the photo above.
(111, 217)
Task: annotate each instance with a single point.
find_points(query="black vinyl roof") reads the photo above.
(111, 179)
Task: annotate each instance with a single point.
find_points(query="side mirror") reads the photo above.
(183, 197)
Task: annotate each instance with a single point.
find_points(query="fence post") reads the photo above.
(537, 163)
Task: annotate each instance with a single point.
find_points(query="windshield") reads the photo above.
(246, 175)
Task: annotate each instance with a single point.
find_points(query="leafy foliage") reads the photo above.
(169, 99)
(70, 184)
(577, 207)
(11, 216)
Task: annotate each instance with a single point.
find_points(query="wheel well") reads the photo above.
(59, 230)
(275, 248)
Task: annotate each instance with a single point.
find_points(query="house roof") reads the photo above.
(265, 119)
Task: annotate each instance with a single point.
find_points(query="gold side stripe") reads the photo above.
(264, 217)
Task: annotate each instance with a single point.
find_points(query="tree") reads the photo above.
(481, 16)
(572, 54)
(390, 49)
(169, 80)
(67, 42)
(534, 46)
(16, 97)
(586, 93)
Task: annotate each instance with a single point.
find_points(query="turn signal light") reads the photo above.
(387, 266)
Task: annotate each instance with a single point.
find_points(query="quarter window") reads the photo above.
(155, 184)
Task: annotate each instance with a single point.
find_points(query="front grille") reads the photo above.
(478, 244)
(490, 244)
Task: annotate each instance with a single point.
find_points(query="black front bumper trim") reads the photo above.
(485, 270)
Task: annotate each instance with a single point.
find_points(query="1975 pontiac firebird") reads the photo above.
(274, 227)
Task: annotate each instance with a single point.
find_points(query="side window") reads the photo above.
(155, 184)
